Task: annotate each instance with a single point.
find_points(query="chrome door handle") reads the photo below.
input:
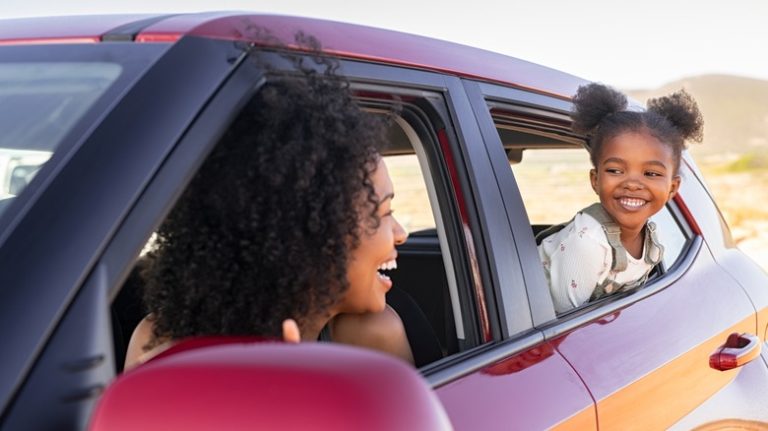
(738, 350)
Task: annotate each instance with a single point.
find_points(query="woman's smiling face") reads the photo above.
(635, 177)
(375, 251)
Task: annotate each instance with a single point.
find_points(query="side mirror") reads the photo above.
(232, 384)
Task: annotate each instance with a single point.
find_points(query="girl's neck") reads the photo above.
(633, 241)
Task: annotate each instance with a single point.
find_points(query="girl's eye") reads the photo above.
(613, 170)
(653, 174)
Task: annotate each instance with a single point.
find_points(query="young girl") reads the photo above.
(612, 246)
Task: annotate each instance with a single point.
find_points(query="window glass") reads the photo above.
(671, 236)
(412, 201)
(554, 183)
(39, 105)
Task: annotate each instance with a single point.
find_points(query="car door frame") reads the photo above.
(617, 403)
(80, 228)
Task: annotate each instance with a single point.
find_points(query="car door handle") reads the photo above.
(738, 350)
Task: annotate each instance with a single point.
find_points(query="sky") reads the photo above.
(638, 44)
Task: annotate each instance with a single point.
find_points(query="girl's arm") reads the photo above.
(577, 264)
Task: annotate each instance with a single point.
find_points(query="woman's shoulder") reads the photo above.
(142, 345)
(383, 331)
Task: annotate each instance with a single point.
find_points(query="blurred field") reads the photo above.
(555, 184)
(739, 185)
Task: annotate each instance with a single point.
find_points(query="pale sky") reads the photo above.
(627, 44)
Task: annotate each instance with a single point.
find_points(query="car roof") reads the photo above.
(343, 39)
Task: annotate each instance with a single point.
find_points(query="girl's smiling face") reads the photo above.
(635, 177)
(375, 252)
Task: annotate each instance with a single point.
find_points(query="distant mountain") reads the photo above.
(735, 111)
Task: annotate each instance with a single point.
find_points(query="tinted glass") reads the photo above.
(39, 105)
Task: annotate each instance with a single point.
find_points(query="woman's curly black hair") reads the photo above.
(600, 112)
(265, 228)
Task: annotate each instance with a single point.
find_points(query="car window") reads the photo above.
(554, 183)
(553, 179)
(428, 276)
(414, 210)
(39, 104)
(672, 236)
(425, 292)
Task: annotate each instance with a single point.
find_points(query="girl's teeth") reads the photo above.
(632, 202)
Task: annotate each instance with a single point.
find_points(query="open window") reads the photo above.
(551, 168)
(431, 283)
(426, 292)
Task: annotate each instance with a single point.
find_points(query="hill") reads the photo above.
(735, 111)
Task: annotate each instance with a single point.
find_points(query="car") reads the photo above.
(103, 121)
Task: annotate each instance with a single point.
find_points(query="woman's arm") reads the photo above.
(382, 331)
(139, 339)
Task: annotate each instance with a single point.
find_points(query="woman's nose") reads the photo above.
(400, 233)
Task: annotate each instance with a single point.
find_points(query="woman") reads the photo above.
(286, 226)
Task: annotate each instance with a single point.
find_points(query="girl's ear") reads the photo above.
(674, 187)
(593, 179)
(291, 332)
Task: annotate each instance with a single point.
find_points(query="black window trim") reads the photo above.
(160, 195)
(496, 98)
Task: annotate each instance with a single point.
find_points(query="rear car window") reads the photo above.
(39, 104)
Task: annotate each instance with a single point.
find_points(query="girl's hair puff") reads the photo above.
(593, 103)
(682, 112)
(600, 112)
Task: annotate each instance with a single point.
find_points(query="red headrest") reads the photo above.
(236, 384)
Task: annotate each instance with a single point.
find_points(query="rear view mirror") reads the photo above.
(235, 384)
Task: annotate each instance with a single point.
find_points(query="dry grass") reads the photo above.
(741, 195)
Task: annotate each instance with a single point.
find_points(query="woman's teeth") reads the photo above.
(388, 266)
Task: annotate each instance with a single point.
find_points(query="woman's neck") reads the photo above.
(310, 330)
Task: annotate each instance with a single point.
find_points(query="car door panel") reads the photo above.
(743, 401)
(648, 365)
(528, 390)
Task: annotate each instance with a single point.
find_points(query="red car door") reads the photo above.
(529, 390)
(649, 364)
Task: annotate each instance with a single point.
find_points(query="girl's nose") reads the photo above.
(400, 234)
(633, 183)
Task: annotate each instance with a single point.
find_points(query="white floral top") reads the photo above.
(578, 258)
